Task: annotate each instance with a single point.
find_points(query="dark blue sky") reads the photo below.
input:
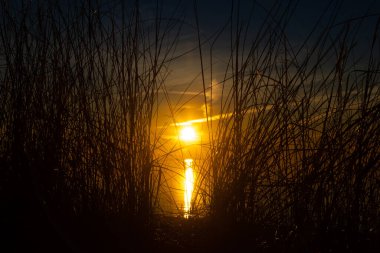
(300, 18)
(303, 14)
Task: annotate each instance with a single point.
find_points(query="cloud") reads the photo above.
(186, 93)
(219, 117)
(203, 120)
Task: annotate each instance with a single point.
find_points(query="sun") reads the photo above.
(187, 133)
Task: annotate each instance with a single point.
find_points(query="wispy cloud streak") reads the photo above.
(203, 120)
(216, 117)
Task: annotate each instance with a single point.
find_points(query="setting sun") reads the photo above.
(187, 134)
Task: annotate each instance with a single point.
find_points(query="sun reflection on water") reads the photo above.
(189, 186)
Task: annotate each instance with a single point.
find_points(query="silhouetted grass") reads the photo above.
(77, 95)
(293, 162)
(300, 152)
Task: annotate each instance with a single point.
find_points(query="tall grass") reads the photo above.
(79, 82)
(298, 145)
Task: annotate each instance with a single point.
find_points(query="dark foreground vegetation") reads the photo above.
(294, 167)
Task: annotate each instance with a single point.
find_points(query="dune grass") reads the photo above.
(295, 152)
(78, 87)
(299, 151)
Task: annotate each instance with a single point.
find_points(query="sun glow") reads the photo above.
(187, 133)
(189, 186)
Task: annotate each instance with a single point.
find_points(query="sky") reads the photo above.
(184, 84)
(214, 15)
(216, 20)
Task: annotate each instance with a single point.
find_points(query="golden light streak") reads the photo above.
(219, 116)
(203, 120)
(189, 186)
